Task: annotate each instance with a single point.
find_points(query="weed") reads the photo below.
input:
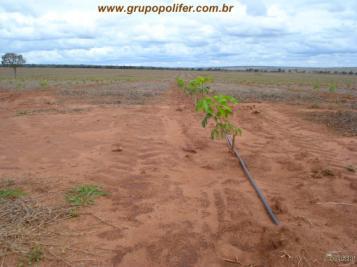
(84, 195)
(11, 193)
(34, 255)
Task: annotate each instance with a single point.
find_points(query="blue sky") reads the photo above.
(314, 33)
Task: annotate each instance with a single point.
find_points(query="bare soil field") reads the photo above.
(175, 197)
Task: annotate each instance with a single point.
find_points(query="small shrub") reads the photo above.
(84, 195)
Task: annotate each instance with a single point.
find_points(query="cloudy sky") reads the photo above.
(258, 32)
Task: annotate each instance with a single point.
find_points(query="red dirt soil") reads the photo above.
(178, 198)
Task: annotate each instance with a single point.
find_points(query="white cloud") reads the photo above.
(258, 32)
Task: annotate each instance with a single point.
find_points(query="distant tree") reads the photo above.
(12, 60)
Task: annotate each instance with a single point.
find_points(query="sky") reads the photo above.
(302, 33)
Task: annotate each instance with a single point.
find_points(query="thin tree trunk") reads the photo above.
(233, 142)
(15, 72)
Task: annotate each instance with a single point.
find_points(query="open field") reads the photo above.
(170, 195)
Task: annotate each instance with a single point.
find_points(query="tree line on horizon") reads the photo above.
(15, 61)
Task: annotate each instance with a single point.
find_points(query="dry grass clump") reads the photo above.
(31, 229)
(23, 224)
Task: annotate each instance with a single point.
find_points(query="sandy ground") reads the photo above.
(178, 198)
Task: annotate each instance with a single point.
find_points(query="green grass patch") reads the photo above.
(84, 195)
(35, 255)
(11, 193)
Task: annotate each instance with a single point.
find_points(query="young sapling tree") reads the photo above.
(219, 108)
(198, 86)
(201, 83)
(180, 82)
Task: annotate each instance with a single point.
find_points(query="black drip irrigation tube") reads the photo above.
(253, 183)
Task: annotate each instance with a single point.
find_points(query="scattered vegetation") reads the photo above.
(84, 195)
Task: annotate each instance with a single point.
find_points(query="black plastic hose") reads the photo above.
(253, 183)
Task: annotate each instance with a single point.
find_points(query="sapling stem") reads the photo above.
(233, 142)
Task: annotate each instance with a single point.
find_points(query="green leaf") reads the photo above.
(205, 120)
